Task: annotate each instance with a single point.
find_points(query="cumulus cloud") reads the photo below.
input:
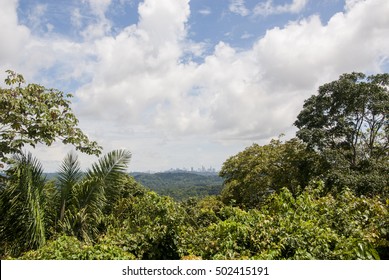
(144, 90)
(14, 36)
(249, 94)
(352, 41)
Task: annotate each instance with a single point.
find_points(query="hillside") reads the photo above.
(181, 185)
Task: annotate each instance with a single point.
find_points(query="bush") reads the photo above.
(309, 226)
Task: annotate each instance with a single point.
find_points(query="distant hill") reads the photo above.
(178, 184)
(181, 185)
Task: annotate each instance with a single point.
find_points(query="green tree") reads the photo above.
(32, 114)
(257, 171)
(85, 200)
(306, 226)
(147, 225)
(22, 206)
(348, 123)
(34, 210)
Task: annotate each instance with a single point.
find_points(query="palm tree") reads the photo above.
(22, 205)
(79, 201)
(68, 176)
(85, 198)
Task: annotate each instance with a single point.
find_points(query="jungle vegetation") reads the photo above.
(321, 195)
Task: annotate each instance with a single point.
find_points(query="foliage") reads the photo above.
(81, 202)
(91, 196)
(70, 248)
(203, 211)
(257, 171)
(273, 206)
(308, 226)
(33, 114)
(148, 226)
(69, 175)
(181, 185)
(144, 225)
(22, 206)
(347, 122)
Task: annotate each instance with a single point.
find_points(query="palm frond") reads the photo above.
(111, 165)
(68, 176)
(90, 195)
(109, 171)
(23, 203)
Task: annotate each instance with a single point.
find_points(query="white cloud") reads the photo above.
(99, 7)
(239, 7)
(231, 95)
(349, 4)
(164, 22)
(76, 18)
(205, 11)
(246, 35)
(145, 94)
(268, 8)
(14, 36)
(36, 16)
(90, 20)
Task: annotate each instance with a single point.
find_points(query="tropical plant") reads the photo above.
(348, 123)
(306, 226)
(148, 226)
(80, 200)
(70, 248)
(22, 206)
(33, 114)
(85, 199)
(251, 175)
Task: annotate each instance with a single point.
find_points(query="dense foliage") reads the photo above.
(347, 122)
(309, 226)
(145, 225)
(34, 209)
(296, 199)
(33, 114)
(251, 175)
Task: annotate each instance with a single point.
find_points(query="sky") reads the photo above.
(183, 83)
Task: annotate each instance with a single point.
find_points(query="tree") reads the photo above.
(79, 201)
(257, 171)
(33, 114)
(306, 226)
(85, 200)
(22, 206)
(348, 123)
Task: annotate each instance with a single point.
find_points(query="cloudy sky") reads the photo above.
(185, 83)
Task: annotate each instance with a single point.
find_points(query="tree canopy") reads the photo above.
(257, 171)
(348, 123)
(32, 114)
(350, 115)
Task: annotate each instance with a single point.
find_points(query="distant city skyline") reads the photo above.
(201, 169)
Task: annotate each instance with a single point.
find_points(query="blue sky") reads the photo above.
(184, 83)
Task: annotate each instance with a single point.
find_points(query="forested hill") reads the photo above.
(181, 185)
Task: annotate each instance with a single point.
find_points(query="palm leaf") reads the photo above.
(92, 194)
(68, 176)
(23, 204)
(109, 172)
(111, 166)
